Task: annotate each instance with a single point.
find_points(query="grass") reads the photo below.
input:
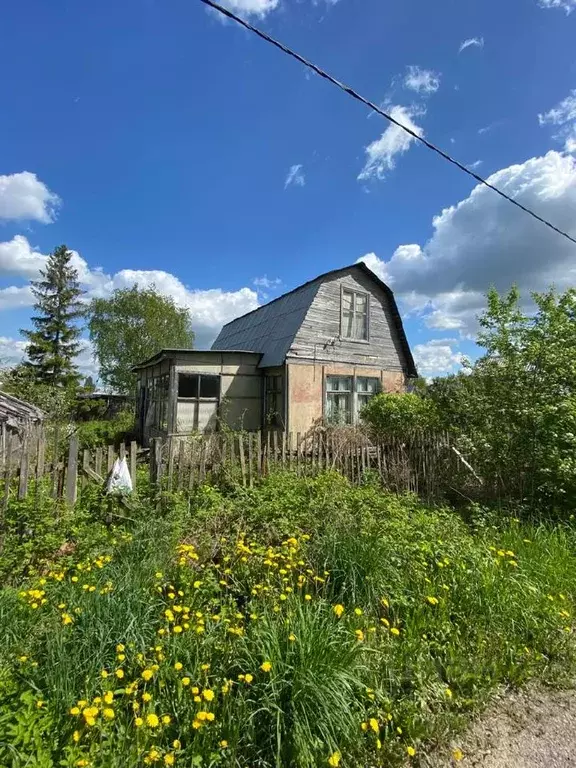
(301, 623)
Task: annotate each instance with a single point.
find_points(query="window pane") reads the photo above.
(338, 409)
(210, 386)
(347, 324)
(347, 301)
(360, 303)
(339, 383)
(188, 385)
(360, 327)
(365, 384)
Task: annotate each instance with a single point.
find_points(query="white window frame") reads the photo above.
(354, 294)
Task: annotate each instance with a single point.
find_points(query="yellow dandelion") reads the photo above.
(359, 635)
(138, 722)
(410, 751)
(338, 610)
(177, 744)
(76, 736)
(146, 696)
(457, 754)
(266, 666)
(147, 674)
(374, 725)
(166, 719)
(169, 758)
(108, 713)
(395, 631)
(119, 673)
(185, 681)
(208, 694)
(334, 759)
(223, 744)
(152, 720)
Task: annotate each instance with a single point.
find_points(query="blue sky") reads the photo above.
(166, 146)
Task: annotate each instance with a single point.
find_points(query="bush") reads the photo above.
(400, 414)
(94, 434)
(360, 627)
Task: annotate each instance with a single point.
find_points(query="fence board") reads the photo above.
(133, 453)
(8, 463)
(72, 471)
(23, 479)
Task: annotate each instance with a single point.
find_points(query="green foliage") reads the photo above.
(132, 325)
(53, 344)
(102, 432)
(399, 414)
(308, 617)
(516, 410)
(58, 403)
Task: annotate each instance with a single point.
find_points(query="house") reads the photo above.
(17, 420)
(316, 354)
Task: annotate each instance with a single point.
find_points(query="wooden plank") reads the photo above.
(133, 454)
(242, 458)
(40, 460)
(268, 452)
(55, 461)
(85, 466)
(250, 460)
(122, 452)
(110, 458)
(298, 449)
(275, 451)
(192, 468)
(203, 450)
(181, 461)
(72, 471)
(7, 472)
(23, 479)
(290, 449)
(259, 453)
(98, 461)
(171, 453)
(93, 475)
(283, 450)
(158, 466)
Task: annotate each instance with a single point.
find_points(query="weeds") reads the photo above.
(302, 623)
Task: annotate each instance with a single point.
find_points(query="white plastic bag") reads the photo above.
(119, 480)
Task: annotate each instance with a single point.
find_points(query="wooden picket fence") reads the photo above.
(423, 464)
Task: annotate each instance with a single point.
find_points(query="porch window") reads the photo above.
(366, 387)
(354, 317)
(198, 385)
(274, 400)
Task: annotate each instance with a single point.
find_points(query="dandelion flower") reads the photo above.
(177, 744)
(373, 723)
(448, 693)
(119, 673)
(248, 678)
(120, 648)
(334, 759)
(166, 719)
(178, 666)
(208, 694)
(359, 635)
(338, 610)
(307, 597)
(457, 754)
(152, 720)
(292, 637)
(266, 666)
(410, 751)
(138, 722)
(147, 674)
(432, 600)
(169, 759)
(75, 711)
(196, 724)
(146, 696)
(108, 697)
(185, 681)
(76, 736)
(223, 744)
(395, 631)
(108, 713)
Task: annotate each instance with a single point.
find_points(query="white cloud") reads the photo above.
(437, 357)
(267, 282)
(24, 196)
(471, 42)
(475, 165)
(423, 81)
(564, 116)
(11, 351)
(209, 309)
(257, 8)
(484, 241)
(394, 141)
(295, 176)
(565, 5)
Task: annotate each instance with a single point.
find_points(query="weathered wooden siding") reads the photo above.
(319, 339)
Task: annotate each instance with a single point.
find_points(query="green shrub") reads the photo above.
(95, 434)
(400, 414)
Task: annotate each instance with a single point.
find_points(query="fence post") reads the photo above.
(72, 471)
(250, 460)
(133, 448)
(110, 460)
(23, 479)
(7, 471)
(242, 458)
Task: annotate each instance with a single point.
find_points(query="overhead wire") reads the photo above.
(355, 95)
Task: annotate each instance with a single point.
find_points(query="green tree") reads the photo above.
(515, 412)
(399, 414)
(132, 325)
(53, 344)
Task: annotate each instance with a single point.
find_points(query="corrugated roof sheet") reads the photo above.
(271, 329)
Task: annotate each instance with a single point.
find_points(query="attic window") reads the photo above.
(354, 315)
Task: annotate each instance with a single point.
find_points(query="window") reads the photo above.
(346, 396)
(198, 385)
(159, 401)
(365, 389)
(354, 320)
(274, 400)
(339, 399)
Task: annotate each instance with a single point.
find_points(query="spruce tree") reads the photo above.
(53, 344)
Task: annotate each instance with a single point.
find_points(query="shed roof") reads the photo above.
(271, 328)
(15, 412)
(164, 354)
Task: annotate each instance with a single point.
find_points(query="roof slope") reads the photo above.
(271, 329)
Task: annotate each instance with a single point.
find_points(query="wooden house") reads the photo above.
(316, 354)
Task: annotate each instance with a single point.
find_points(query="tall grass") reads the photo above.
(301, 623)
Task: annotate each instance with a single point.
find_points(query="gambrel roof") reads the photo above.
(271, 329)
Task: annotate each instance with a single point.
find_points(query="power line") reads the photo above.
(381, 112)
